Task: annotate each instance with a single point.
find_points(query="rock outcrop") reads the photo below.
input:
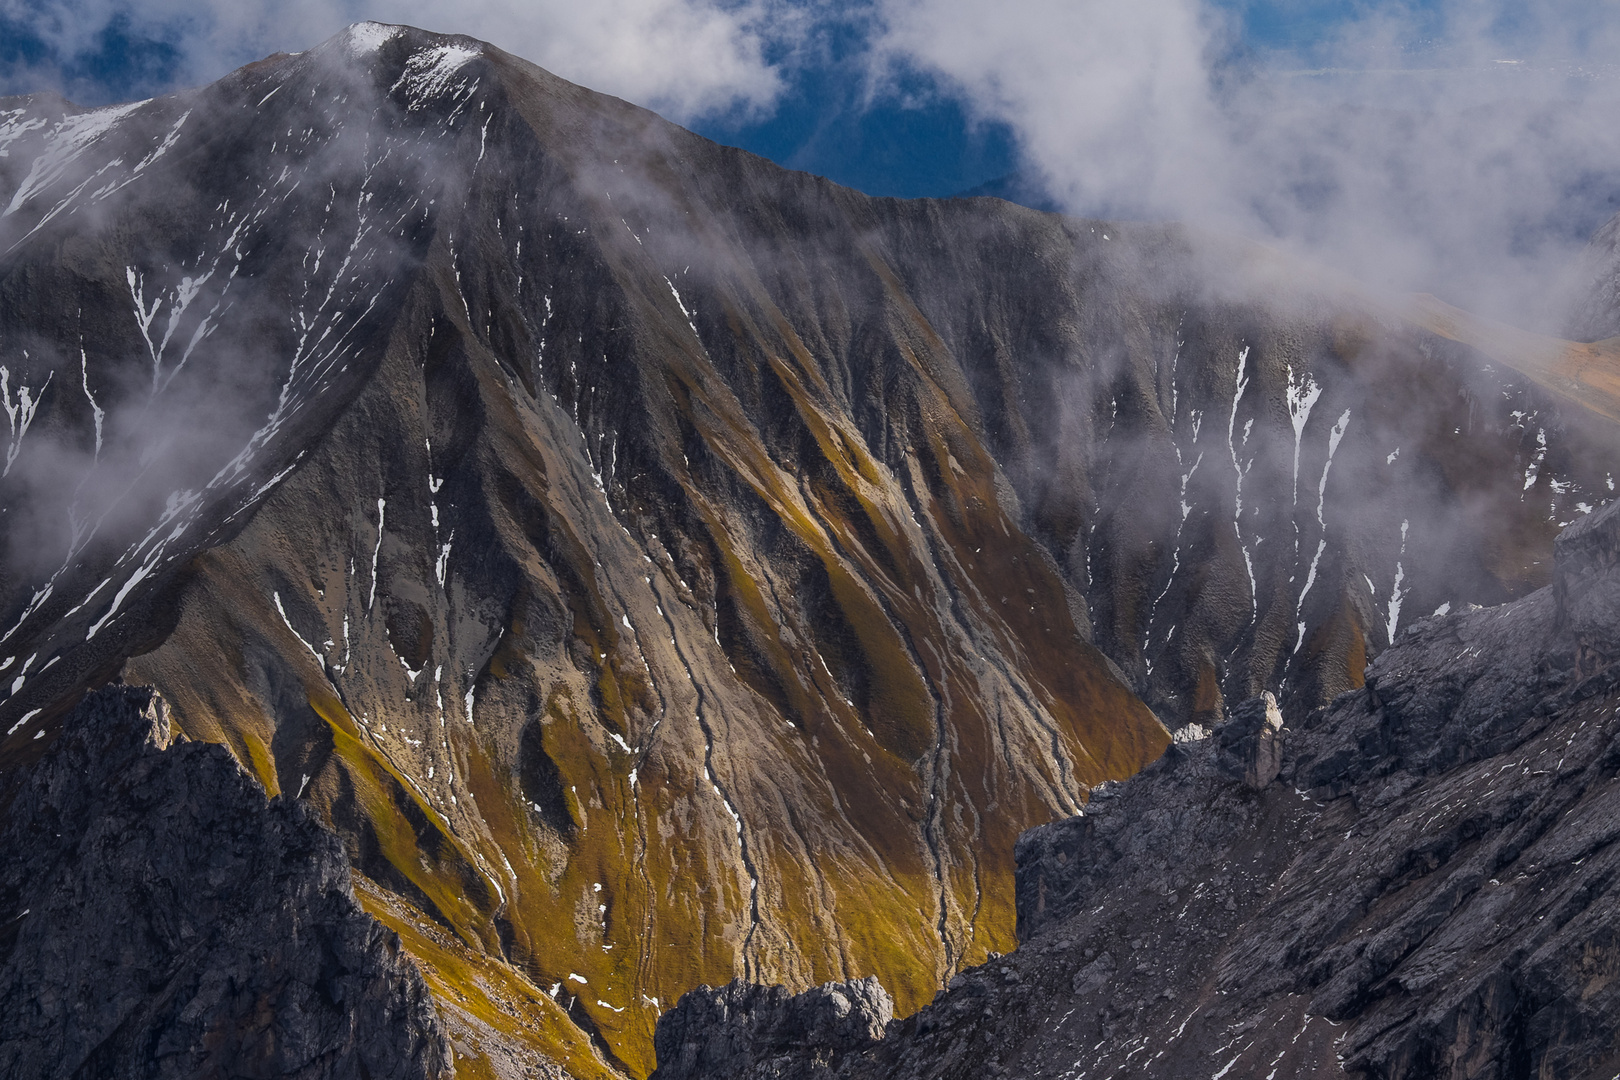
(1597, 312)
(751, 1032)
(163, 919)
(1249, 744)
(1428, 889)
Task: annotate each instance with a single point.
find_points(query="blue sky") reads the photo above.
(916, 134)
(922, 139)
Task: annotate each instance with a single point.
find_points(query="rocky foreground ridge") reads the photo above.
(162, 918)
(1418, 881)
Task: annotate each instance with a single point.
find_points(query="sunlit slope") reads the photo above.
(1586, 374)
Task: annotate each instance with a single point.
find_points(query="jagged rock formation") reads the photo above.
(1428, 890)
(751, 1032)
(1249, 745)
(1597, 313)
(163, 919)
(660, 567)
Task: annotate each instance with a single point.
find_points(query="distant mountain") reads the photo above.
(658, 567)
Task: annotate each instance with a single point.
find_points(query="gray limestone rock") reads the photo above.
(1586, 555)
(763, 1033)
(162, 919)
(1249, 744)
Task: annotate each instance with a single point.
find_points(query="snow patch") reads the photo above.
(69, 140)
(371, 598)
(319, 659)
(1394, 618)
(428, 73)
(364, 38)
(20, 412)
(27, 716)
(1334, 438)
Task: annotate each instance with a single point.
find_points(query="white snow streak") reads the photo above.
(99, 413)
(681, 304)
(19, 412)
(319, 659)
(376, 551)
(429, 72)
(1334, 437)
(1394, 618)
(364, 38)
(27, 716)
(14, 124)
(66, 144)
(1241, 384)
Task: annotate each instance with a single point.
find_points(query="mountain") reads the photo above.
(1418, 881)
(657, 567)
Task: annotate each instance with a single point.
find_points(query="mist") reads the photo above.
(683, 58)
(1461, 147)
(1449, 149)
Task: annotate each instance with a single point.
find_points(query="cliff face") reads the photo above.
(163, 919)
(1597, 313)
(1426, 889)
(659, 567)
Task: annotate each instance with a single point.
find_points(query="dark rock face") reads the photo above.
(1249, 744)
(164, 920)
(754, 1032)
(1429, 889)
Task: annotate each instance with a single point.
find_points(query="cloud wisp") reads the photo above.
(1464, 147)
(1450, 148)
(684, 58)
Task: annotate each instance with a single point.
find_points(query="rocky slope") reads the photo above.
(1597, 313)
(1419, 881)
(163, 919)
(659, 567)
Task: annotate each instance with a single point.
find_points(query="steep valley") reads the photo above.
(658, 567)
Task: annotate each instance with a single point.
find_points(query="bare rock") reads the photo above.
(159, 917)
(1587, 554)
(1249, 744)
(765, 1033)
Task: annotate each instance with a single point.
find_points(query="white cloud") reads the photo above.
(1441, 178)
(1111, 99)
(685, 58)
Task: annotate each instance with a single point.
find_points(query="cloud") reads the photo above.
(685, 58)
(1395, 142)
(1110, 99)
(1402, 146)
